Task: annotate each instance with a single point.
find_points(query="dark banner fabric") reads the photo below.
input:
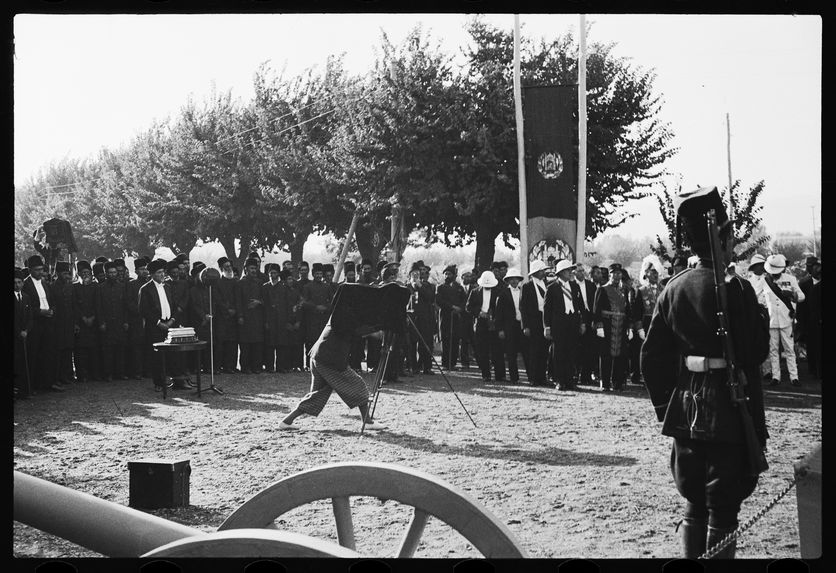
(550, 127)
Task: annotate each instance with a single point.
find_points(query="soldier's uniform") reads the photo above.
(685, 374)
(112, 314)
(86, 340)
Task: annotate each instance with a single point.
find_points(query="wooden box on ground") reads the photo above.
(156, 483)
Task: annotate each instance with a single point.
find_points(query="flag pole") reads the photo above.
(520, 151)
(581, 226)
(728, 157)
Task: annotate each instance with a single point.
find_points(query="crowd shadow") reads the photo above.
(549, 455)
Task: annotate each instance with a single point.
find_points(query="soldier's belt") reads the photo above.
(704, 363)
(612, 313)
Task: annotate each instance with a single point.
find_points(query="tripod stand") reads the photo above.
(389, 339)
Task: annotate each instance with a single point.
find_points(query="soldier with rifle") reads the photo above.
(700, 364)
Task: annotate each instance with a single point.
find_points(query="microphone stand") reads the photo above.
(212, 386)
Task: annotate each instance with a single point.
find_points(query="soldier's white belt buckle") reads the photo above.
(704, 363)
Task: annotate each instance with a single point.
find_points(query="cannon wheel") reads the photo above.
(427, 494)
(251, 543)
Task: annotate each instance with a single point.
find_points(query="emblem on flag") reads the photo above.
(550, 165)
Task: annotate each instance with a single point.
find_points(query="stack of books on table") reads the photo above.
(179, 335)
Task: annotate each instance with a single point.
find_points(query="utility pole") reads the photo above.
(728, 155)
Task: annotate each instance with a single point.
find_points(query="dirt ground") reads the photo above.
(572, 474)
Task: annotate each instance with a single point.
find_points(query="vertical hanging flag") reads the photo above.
(550, 165)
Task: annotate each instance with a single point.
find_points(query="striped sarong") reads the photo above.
(348, 385)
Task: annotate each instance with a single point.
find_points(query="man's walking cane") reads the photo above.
(450, 363)
(26, 365)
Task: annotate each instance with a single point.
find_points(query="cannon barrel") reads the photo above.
(97, 524)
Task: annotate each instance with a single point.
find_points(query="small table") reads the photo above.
(197, 346)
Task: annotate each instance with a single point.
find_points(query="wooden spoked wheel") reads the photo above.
(425, 493)
(251, 543)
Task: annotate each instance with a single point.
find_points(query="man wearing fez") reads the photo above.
(509, 324)
(86, 340)
(112, 314)
(65, 326)
(277, 311)
(366, 272)
(809, 315)
(532, 305)
(634, 345)
(251, 318)
(99, 275)
(451, 299)
(40, 341)
(613, 327)
(683, 365)
(156, 304)
(678, 264)
(481, 305)
(424, 316)
(293, 352)
(136, 347)
(563, 317)
(304, 275)
(121, 271)
(226, 317)
(465, 346)
(316, 301)
(350, 272)
(177, 270)
(23, 321)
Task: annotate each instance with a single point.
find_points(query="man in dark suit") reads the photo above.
(277, 310)
(226, 318)
(425, 319)
(156, 304)
(135, 347)
(112, 312)
(251, 318)
(451, 300)
(532, 303)
(563, 317)
(41, 338)
(509, 324)
(22, 327)
(587, 356)
(481, 305)
(65, 327)
(808, 313)
(87, 338)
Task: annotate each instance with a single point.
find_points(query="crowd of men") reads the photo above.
(570, 324)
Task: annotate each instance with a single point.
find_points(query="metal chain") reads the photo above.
(720, 545)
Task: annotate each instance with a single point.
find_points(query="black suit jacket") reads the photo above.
(506, 314)
(590, 288)
(151, 309)
(476, 298)
(34, 300)
(554, 310)
(23, 314)
(532, 318)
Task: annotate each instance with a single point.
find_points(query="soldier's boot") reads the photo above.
(714, 537)
(692, 535)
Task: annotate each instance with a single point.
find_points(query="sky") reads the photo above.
(84, 82)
